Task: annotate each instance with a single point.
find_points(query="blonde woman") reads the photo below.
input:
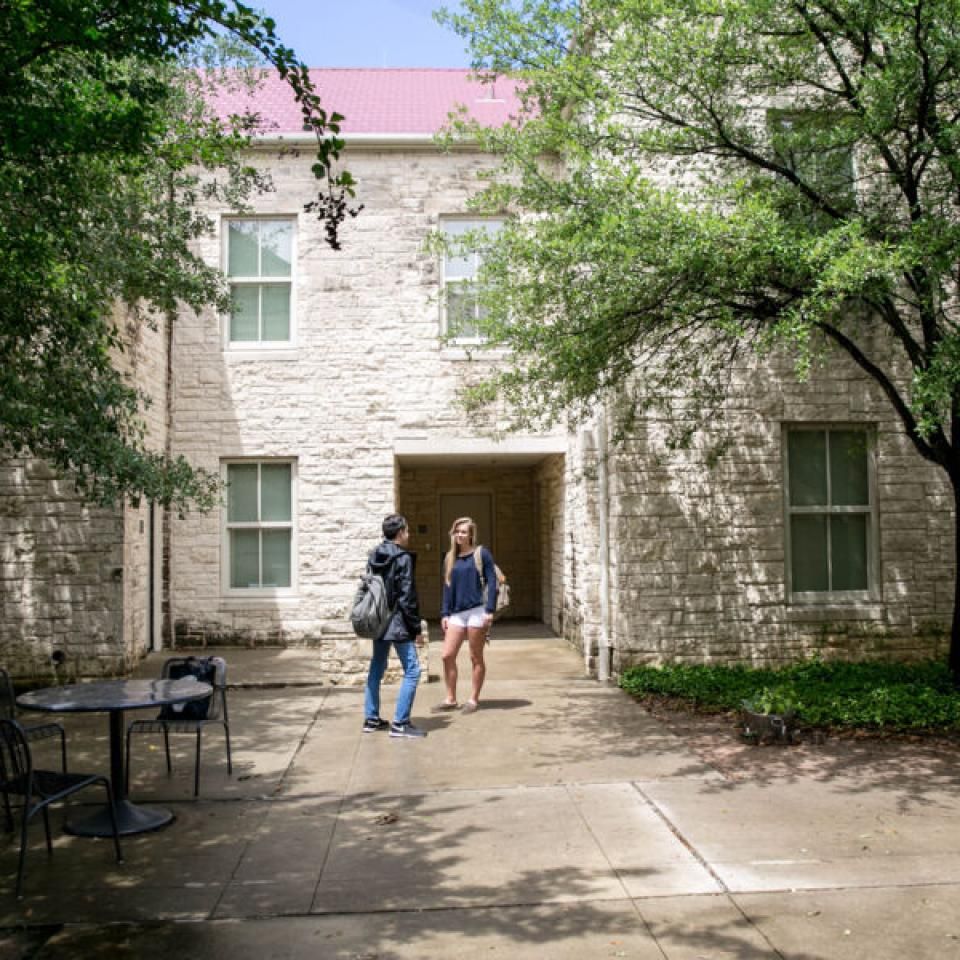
(466, 614)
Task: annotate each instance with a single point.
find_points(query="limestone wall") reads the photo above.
(551, 488)
(698, 563)
(580, 612)
(73, 576)
(696, 546)
(61, 576)
(146, 361)
(368, 369)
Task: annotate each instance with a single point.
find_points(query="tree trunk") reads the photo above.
(954, 656)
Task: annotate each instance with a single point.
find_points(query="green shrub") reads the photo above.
(780, 700)
(902, 697)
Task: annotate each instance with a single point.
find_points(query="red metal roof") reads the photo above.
(381, 101)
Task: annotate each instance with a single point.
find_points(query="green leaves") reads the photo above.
(904, 697)
(699, 176)
(107, 148)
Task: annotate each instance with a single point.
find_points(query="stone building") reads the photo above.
(81, 585)
(802, 522)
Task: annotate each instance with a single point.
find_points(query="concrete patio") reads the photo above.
(560, 821)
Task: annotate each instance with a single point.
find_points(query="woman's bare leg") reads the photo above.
(477, 637)
(452, 641)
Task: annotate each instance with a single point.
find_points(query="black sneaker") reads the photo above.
(372, 724)
(406, 730)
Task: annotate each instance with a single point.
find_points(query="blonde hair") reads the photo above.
(451, 557)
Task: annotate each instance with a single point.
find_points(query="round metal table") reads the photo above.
(114, 697)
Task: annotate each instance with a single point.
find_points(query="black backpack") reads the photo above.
(205, 670)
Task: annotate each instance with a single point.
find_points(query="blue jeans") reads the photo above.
(407, 652)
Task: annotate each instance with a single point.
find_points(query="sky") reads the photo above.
(366, 33)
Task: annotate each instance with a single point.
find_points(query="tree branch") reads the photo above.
(936, 451)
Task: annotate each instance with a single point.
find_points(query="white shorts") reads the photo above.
(474, 617)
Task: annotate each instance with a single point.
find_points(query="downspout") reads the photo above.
(153, 641)
(166, 638)
(603, 510)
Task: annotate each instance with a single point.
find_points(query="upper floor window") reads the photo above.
(259, 257)
(461, 307)
(812, 145)
(831, 522)
(259, 529)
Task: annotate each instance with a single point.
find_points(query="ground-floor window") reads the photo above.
(259, 535)
(831, 512)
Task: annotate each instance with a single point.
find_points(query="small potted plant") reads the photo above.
(769, 717)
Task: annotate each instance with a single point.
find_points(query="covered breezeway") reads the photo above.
(515, 493)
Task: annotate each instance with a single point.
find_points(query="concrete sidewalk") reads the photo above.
(560, 821)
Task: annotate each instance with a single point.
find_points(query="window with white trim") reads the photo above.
(831, 513)
(259, 535)
(259, 257)
(462, 310)
(812, 146)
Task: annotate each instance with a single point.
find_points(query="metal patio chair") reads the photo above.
(43, 730)
(190, 717)
(40, 788)
(34, 731)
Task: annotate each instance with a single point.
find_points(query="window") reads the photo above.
(813, 146)
(831, 528)
(259, 541)
(259, 257)
(462, 309)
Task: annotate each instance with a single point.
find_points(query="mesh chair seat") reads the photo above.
(169, 726)
(40, 788)
(49, 785)
(192, 717)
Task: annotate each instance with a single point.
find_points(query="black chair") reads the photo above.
(40, 788)
(193, 716)
(33, 731)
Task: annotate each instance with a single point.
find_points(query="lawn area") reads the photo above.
(898, 697)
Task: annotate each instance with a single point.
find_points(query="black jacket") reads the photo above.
(398, 568)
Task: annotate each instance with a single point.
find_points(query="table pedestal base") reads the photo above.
(131, 818)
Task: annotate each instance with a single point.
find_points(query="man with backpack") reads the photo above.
(392, 562)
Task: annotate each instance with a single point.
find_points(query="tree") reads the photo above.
(106, 143)
(728, 173)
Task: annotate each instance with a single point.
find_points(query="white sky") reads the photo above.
(366, 33)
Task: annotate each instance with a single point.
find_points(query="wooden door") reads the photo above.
(478, 506)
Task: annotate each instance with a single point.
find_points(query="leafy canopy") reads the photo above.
(696, 177)
(106, 147)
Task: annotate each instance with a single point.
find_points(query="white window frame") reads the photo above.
(227, 525)
(834, 597)
(814, 168)
(267, 346)
(446, 282)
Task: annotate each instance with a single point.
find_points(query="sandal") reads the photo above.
(445, 706)
(471, 706)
